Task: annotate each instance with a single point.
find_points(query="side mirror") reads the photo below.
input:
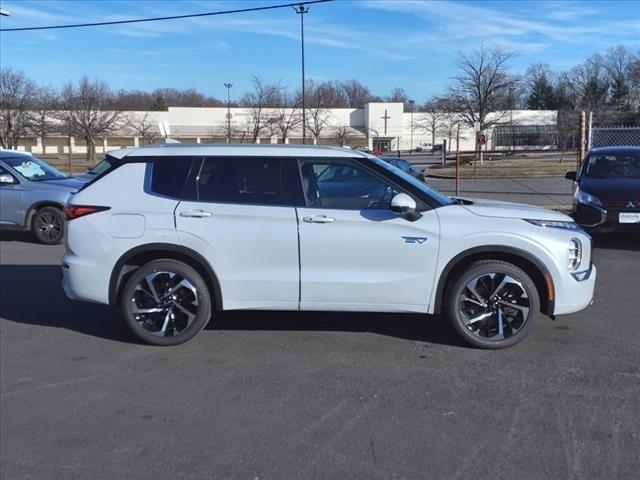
(406, 206)
(571, 176)
(6, 179)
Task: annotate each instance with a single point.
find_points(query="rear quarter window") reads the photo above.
(169, 174)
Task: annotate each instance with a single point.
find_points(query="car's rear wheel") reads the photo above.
(166, 302)
(493, 304)
(47, 225)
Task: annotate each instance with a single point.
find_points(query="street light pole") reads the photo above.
(302, 9)
(228, 85)
(412, 104)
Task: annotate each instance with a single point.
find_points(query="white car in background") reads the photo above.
(174, 233)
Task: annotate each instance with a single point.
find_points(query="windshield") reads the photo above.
(431, 192)
(101, 167)
(33, 168)
(613, 165)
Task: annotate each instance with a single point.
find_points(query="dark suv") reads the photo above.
(607, 190)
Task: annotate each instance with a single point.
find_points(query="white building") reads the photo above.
(378, 126)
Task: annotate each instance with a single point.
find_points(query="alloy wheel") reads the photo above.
(164, 303)
(494, 306)
(49, 226)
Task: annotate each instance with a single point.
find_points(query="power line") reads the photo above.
(174, 17)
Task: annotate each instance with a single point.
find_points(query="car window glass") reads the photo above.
(32, 168)
(240, 180)
(4, 171)
(343, 185)
(169, 174)
(618, 165)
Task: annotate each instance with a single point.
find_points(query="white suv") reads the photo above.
(174, 233)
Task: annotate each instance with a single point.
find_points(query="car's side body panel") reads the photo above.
(254, 250)
(367, 260)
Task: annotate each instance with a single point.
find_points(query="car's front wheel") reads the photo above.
(493, 304)
(47, 225)
(166, 302)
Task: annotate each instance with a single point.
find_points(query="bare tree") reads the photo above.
(619, 63)
(16, 98)
(286, 117)
(588, 84)
(263, 96)
(341, 132)
(317, 104)
(482, 86)
(398, 95)
(449, 127)
(356, 94)
(40, 122)
(435, 115)
(144, 125)
(87, 110)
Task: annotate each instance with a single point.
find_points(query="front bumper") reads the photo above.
(577, 293)
(601, 219)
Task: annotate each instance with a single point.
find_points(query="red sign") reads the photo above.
(481, 139)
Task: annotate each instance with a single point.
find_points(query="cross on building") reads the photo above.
(385, 118)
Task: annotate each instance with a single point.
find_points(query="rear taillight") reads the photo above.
(76, 211)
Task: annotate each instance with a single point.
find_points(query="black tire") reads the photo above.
(47, 225)
(169, 324)
(503, 313)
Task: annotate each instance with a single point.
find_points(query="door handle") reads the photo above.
(195, 214)
(318, 219)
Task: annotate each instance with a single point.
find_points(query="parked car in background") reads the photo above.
(33, 195)
(405, 166)
(427, 147)
(205, 228)
(362, 149)
(607, 190)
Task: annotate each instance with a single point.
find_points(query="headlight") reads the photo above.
(586, 198)
(565, 225)
(575, 253)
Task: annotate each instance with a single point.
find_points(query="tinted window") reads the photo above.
(613, 165)
(169, 174)
(241, 180)
(343, 185)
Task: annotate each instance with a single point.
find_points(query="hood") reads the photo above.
(498, 209)
(612, 188)
(71, 183)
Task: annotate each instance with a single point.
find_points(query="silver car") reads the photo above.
(33, 195)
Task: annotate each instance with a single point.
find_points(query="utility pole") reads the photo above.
(301, 10)
(583, 138)
(412, 104)
(228, 85)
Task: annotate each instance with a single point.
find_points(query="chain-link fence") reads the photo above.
(614, 136)
(533, 177)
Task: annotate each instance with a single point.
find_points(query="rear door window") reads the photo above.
(242, 180)
(169, 175)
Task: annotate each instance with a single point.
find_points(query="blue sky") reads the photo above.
(382, 43)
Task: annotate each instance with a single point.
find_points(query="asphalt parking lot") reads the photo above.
(296, 396)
